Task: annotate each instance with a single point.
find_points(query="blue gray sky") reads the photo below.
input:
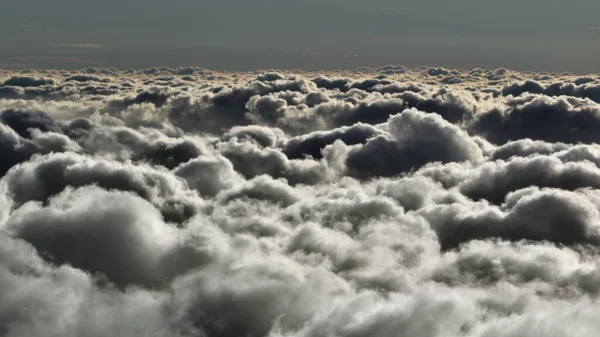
(553, 35)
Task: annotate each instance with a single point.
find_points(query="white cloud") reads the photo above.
(374, 202)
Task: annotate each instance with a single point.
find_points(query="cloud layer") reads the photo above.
(370, 202)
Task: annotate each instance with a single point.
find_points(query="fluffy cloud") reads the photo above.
(370, 202)
(413, 140)
(554, 119)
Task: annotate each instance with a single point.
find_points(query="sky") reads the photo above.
(541, 35)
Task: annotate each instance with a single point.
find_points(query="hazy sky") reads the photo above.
(234, 34)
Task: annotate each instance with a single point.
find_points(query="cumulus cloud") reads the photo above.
(413, 140)
(554, 119)
(370, 202)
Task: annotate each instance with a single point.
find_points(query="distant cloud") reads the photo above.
(31, 25)
(77, 45)
(12, 65)
(21, 62)
(41, 58)
(315, 54)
